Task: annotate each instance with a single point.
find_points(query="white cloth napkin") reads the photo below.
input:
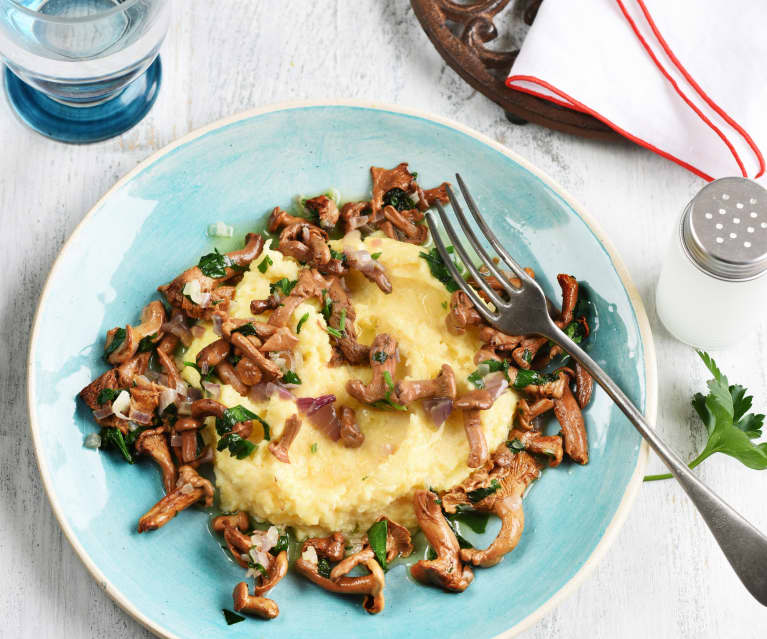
(590, 55)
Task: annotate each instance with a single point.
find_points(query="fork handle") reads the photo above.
(743, 545)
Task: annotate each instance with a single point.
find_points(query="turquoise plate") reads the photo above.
(152, 225)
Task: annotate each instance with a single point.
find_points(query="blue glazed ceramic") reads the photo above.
(152, 225)
(83, 125)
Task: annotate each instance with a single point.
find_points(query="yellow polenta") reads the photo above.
(329, 487)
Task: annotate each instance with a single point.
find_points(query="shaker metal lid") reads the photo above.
(724, 229)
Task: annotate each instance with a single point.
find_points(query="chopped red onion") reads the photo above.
(177, 326)
(185, 407)
(218, 321)
(197, 330)
(263, 391)
(495, 384)
(310, 405)
(356, 222)
(182, 388)
(213, 389)
(104, 411)
(167, 397)
(193, 394)
(140, 417)
(438, 409)
(121, 404)
(326, 420)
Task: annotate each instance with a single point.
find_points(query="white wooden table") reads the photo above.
(663, 577)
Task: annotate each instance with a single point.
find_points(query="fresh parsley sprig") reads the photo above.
(731, 428)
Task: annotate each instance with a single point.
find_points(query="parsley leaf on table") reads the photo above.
(724, 412)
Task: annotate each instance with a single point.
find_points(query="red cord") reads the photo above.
(723, 114)
(579, 106)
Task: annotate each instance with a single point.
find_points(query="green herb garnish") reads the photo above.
(238, 447)
(444, 305)
(284, 284)
(327, 305)
(257, 566)
(335, 332)
(107, 395)
(147, 344)
(527, 377)
(290, 377)
(380, 357)
(323, 567)
(376, 255)
(113, 437)
(439, 269)
(342, 320)
(475, 520)
(214, 264)
(301, 322)
(341, 257)
(527, 356)
(232, 617)
(314, 447)
(377, 535)
(388, 402)
(398, 199)
(265, 264)
(480, 493)
(730, 427)
(117, 340)
(246, 329)
(515, 445)
(283, 541)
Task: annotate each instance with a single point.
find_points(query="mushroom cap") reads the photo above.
(478, 399)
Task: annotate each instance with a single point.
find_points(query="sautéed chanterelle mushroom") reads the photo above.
(346, 393)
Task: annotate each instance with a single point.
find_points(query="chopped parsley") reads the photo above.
(246, 329)
(444, 305)
(107, 395)
(147, 343)
(301, 322)
(388, 402)
(283, 541)
(257, 566)
(335, 332)
(232, 617)
(323, 567)
(398, 199)
(480, 493)
(527, 356)
(113, 438)
(237, 446)
(117, 339)
(265, 264)
(380, 357)
(290, 377)
(439, 269)
(462, 541)
(515, 445)
(284, 284)
(475, 520)
(342, 320)
(313, 447)
(375, 256)
(327, 305)
(576, 331)
(532, 378)
(377, 535)
(341, 257)
(214, 265)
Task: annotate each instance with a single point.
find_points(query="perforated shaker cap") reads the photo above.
(724, 229)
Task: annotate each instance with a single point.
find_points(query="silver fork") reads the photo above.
(527, 312)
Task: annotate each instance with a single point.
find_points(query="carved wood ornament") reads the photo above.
(464, 48)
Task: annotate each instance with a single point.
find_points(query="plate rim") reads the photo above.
(645, 334)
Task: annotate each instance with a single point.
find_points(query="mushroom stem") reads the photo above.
(155, 444)
(253, 605)
(190, 488)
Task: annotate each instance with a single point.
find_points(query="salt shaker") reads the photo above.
(712, 289)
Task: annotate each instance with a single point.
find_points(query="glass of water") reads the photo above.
(82, 70)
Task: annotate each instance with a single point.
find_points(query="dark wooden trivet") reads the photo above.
(460, 32)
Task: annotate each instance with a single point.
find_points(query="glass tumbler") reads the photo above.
(82, 70)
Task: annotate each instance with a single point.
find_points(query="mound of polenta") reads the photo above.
(328, 487)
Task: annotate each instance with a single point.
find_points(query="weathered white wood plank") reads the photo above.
(663, 578)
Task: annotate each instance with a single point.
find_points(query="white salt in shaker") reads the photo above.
(712, 289)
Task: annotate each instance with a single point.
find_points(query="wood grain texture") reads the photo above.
(664, 577)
